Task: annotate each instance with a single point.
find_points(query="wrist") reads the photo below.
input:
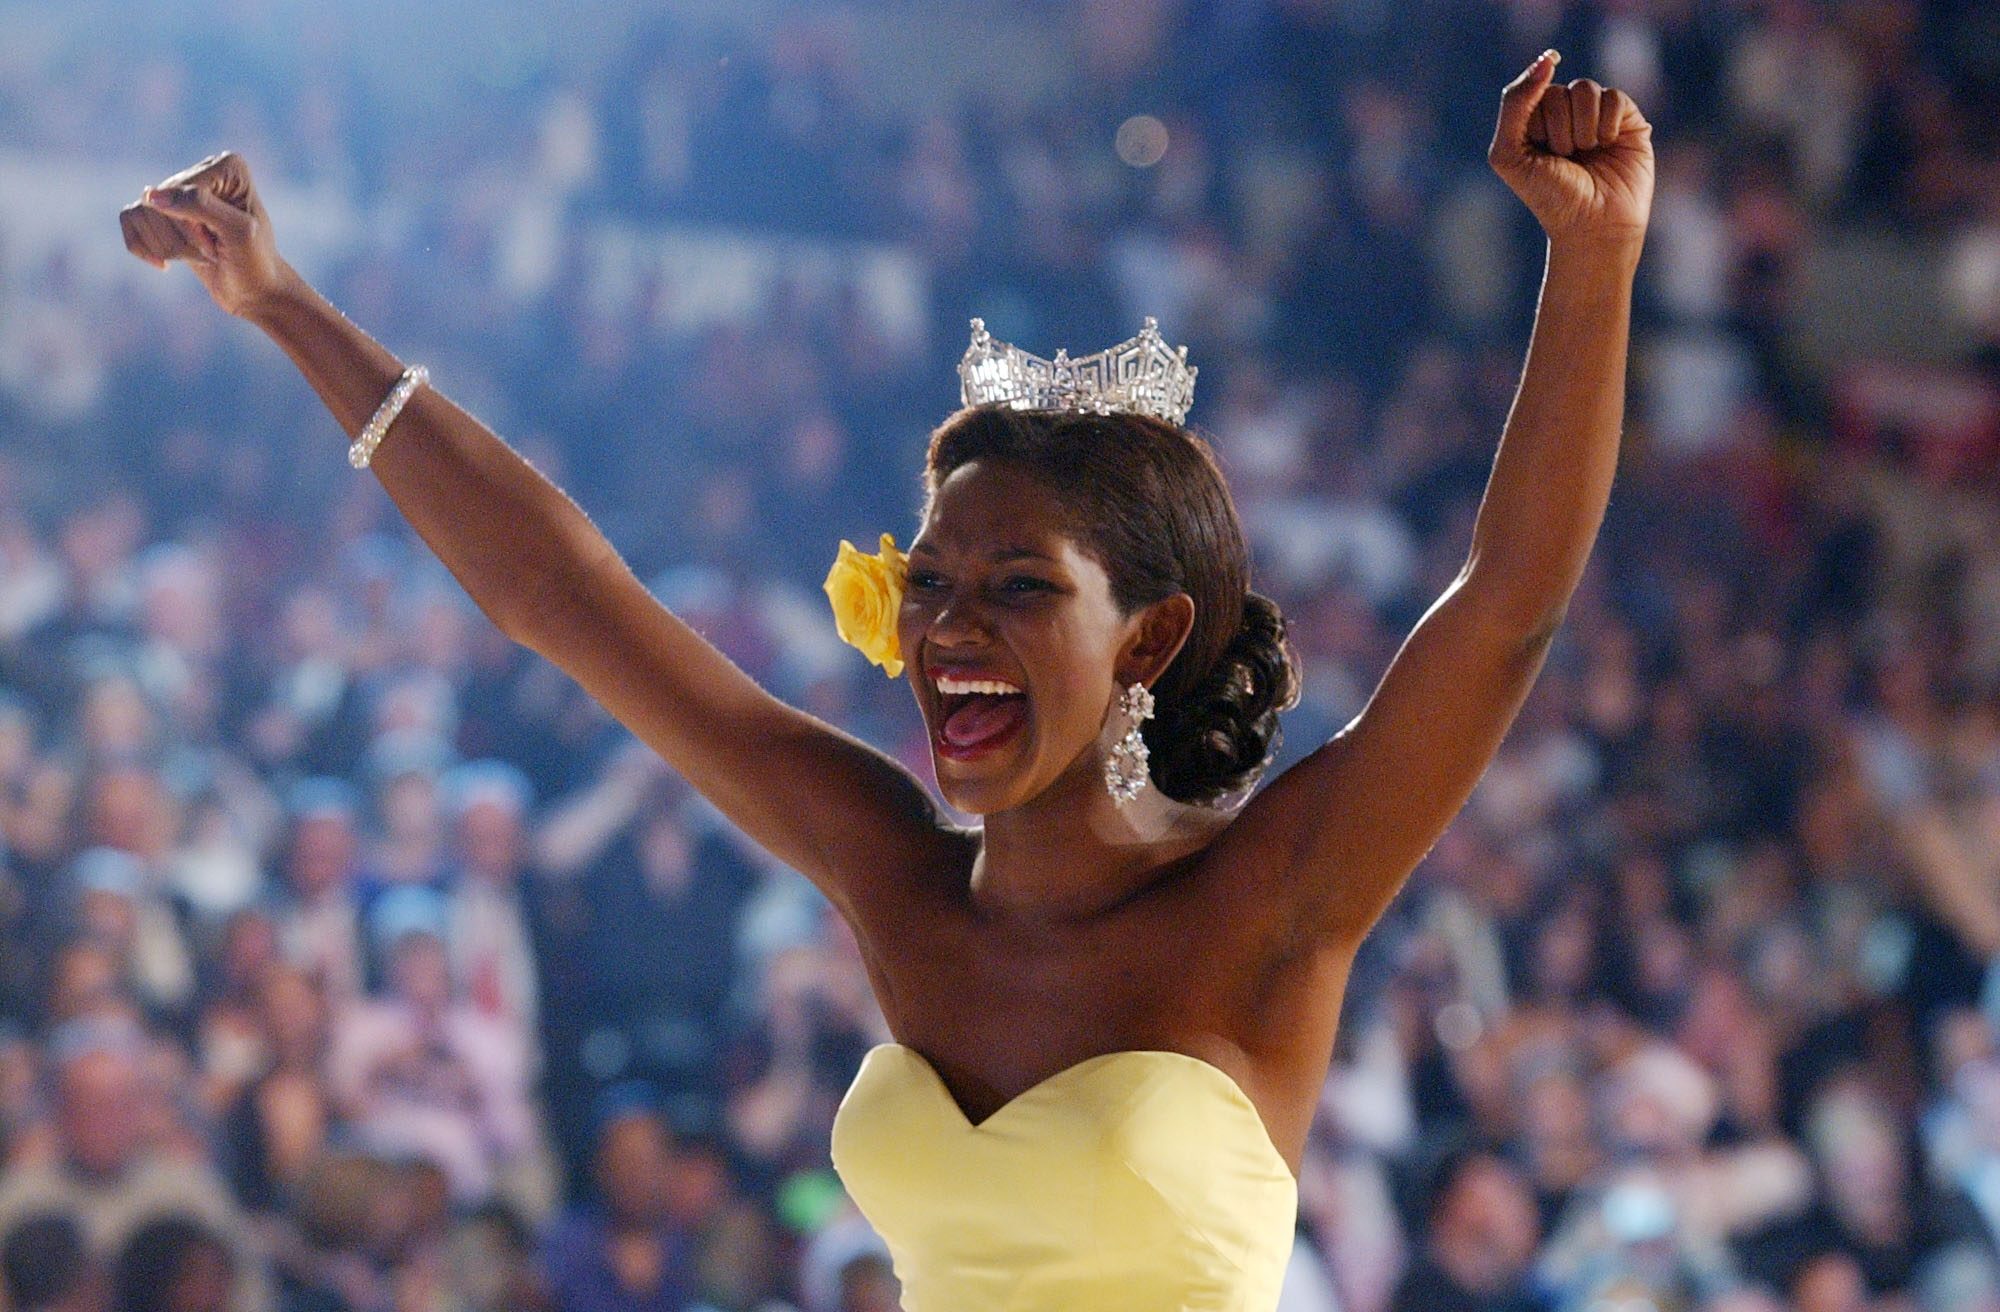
(285, 292)
(1614, 246)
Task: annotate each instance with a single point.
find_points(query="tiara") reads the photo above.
(1141, 375)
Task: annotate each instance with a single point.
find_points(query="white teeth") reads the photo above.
(949, 685)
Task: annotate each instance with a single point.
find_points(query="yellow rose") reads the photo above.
(867, 592)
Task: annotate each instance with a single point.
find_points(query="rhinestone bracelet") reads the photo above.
(362, 449)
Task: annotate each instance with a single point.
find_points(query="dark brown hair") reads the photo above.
(1147, 501)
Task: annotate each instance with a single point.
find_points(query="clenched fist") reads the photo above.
(209, 215)
(1581, 155)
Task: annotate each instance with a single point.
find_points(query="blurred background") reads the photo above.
(351, 959)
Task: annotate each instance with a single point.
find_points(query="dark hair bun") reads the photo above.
(1215, 737)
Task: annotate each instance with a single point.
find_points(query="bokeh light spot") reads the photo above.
(1141, 141)
(1458, 1025)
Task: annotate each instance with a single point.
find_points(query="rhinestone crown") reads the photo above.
(1142, 375)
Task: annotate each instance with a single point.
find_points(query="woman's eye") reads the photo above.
(1023, 583)
(922, 580)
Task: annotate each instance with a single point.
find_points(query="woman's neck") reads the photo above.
(1072, 853)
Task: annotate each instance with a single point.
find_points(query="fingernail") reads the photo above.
(1553, 55)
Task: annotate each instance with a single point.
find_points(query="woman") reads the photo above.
(1114, 1005)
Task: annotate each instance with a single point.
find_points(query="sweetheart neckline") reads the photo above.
(973, 1127)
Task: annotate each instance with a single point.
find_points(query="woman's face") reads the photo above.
(999, 594)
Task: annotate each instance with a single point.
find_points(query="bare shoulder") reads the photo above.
(902, 890)
(1249, 858)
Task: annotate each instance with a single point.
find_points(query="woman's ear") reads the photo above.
(1159, 632)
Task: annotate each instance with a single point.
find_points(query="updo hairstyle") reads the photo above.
(1147, 501)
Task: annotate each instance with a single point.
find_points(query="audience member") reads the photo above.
(1483, 1234)
(46, 1266)
(108, 1172)
(624, 1252)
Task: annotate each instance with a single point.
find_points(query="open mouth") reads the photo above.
(974, 722)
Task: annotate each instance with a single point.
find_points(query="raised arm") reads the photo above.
(1342, 829)
(814, 797)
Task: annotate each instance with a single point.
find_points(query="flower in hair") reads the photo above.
(867, 593)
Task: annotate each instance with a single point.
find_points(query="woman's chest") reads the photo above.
(999, 1010)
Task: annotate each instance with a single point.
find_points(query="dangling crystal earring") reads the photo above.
(1125, 769)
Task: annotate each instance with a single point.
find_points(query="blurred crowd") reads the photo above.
(351, 959)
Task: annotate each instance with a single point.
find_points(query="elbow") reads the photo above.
(506, 595)
(1529, 634)
(505, 617)
(1526, 616)
(542, 616)
(515, 611)
(548, 607)
(1542, 631)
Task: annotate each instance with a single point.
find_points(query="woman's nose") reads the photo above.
(957, 623)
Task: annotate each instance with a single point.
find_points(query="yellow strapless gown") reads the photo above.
(1130, 1182)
